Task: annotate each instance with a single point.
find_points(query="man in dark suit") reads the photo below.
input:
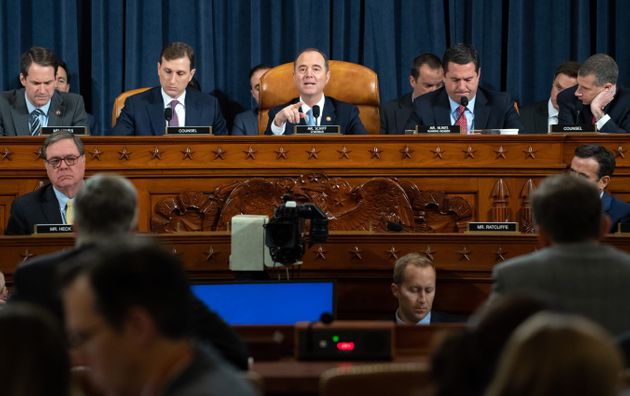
(596, 164)
(24, 111)
(577, 271)
(461, 101)
(596, 99)
(426, 76)
(64, 159)
(310, 76)
(537, 117)
(144, 113)
(246, 123)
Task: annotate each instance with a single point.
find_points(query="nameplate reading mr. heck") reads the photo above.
(52, 228)
(492, 226)
(188, 130)
(316, 130)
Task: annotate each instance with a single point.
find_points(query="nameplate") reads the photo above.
(496, 131)
(438, 129)
(316, 130)
(76, 130)
(188, 130)
(578, 128)
(53, 228)
(493, 226)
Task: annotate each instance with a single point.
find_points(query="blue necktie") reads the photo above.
(310, 120)
(36, 124)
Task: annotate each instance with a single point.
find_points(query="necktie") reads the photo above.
(36, 124)
(461, 120)
(594, 120)
(70, 211)
(174, 120)
(310, 120)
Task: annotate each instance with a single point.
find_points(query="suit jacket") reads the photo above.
(37, 207)
(340, 113)
(618, 110)
(492, 110)
(587, 278)
(395, 114)
(246, 123)
(618, 211)
(143, 114)
(535, 117)
(66, 109)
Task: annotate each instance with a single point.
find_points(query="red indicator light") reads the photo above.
(345, 346)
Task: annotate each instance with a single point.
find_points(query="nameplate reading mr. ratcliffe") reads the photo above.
(316, 130)
(52, 228)
(438, 129)
(492, 226)
(580, 128)
(188, 130)
(76, 130)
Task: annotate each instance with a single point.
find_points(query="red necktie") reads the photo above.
(594, 120)
(461, 120)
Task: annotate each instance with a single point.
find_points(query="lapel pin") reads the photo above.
(57, 112)
(328, 119)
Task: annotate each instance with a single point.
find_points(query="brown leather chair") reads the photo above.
(119, 102)
(349, 82)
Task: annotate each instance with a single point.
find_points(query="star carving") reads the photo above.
(356, 253)
(375, 153)
(187, 153)
(500, 253)
(531, 153)
(344, 153)
(320, 253)
(469, 152)
(210, 253)
(406, 152)
(281, 153)
(620, 152)
(6, 154)
(464, 253)
(392, 252)
(219, 153)
(95, 154)
(124, 154)
(26, 254)
(500, 152)
(156, 153)
(429, 253)
(438, 152)
(250, 153)
(313, 153)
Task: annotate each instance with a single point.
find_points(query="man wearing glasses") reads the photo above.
(63, 157)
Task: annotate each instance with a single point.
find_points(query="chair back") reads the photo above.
(349, 82)
(119, 102)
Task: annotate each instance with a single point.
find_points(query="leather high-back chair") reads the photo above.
(349, 82)
(119, 102)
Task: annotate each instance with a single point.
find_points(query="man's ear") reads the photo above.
(605, 180)
(23, 79)
(395, 290)
(140, 325)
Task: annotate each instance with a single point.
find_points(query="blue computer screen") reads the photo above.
(260, 303)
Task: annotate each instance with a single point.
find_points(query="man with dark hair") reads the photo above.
(144, 113)
(596, 164)
(64, 160)
(246, 123)
(426, 76)
(597, 99)
(128, 316)
(461, 101)
(24, 111)
(63, 85)
(310, 75)
(578, 272)
(539, 116)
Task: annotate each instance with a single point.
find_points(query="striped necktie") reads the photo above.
(35, 122)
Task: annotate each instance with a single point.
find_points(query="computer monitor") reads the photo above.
(269, 302)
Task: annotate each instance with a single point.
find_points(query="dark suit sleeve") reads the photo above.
(566, 107)
(622, 125)
(272, 115)
(385, 127)
(125, 124)
(239, 128)
(219, 126)
(414, 119)
(355, 126)
(79, 116)
(17, 225)
(512, 120)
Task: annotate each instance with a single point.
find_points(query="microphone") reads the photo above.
(316, 111)
(578, 107)
(168, 114)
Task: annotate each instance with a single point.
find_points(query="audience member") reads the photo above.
(64, 160)
(33, 357)
(461, 101)
(129, 318)
(596, 164)
(144, 113)
(63, 85)
(581, 274)
(596, 99)
(246, 123)
(426, 76)
(552, 354)
(539, 116)
(24, 111)
(310, 75)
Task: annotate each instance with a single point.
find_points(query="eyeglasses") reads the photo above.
(70, 160)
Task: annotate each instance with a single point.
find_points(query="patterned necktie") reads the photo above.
(70, 211)
(174, 120)
(35, 122)
(461, 120)
(310, 120)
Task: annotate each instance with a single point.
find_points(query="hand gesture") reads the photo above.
(601, 100)
(291, 113)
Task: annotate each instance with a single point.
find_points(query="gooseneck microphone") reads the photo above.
(316, 111)
(578, 109)
(168, 114)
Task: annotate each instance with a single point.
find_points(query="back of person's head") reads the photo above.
(58, 136)
(176, 50)
(602, 155)
(603, 67)
(569, 68)
(41, 56)
(105, 207)
(461, 54)
(428, 59)
(553, 354)
(567, 208)
(136, 273)
(33, 357)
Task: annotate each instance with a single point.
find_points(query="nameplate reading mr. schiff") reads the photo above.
(579, 128)
(316, 130)
(53, 228)
(438, 129)
(76, 130)
(492, 226)
(188, 130)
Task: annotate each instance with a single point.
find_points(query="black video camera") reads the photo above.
(284, 233)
